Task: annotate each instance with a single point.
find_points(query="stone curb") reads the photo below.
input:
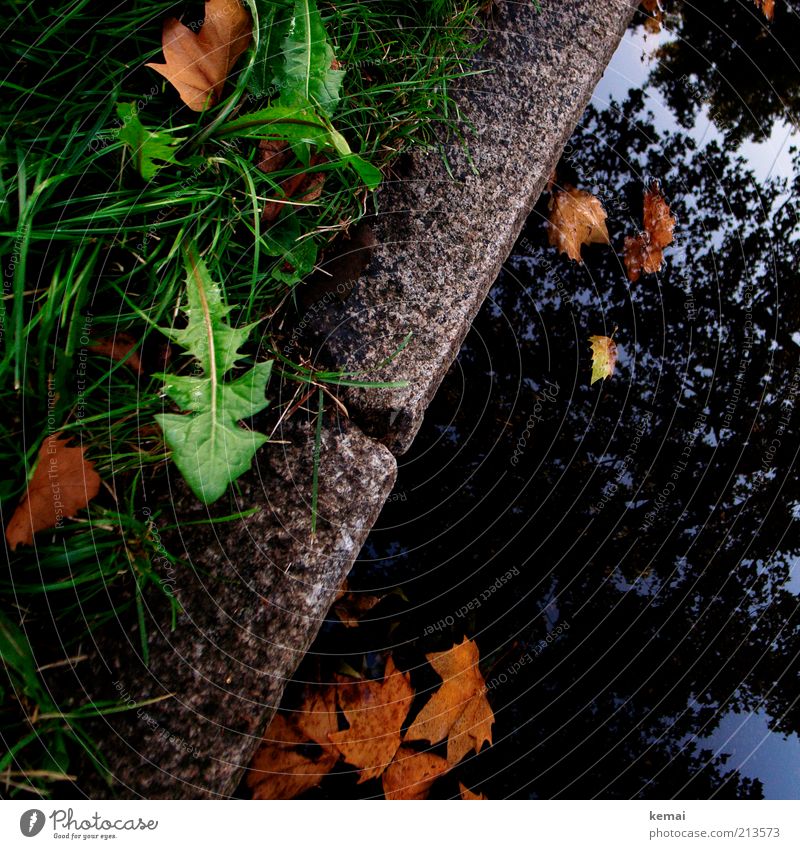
(441, 240)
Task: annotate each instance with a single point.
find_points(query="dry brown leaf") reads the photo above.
(273, 155)
(604, 357)
(64, 483)
(767, 7)
(317, 717)
(468, 796)
(375, 711)
(645, 252)
(459, 709)
(656, 16)
(471, 730)
(119, 348)
(291, 186)
(198, 64)
(280, 769)
(352, 606)
(577, 218)
(411, 774)
(458, 668)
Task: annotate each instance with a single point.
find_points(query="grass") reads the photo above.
(89, 251)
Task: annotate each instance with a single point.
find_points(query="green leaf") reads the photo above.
(146, 145)
(297, 124)
(208, 446)
(369, 174)
(209, 451)
(274, 17)
(206, 337)
(308, 56)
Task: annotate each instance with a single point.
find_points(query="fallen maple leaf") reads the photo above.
(411, 774)
(273, 155)
(459, 709)
(645, 251)
(283, 767)
(468, 796)
(471, 730)
(119, 348)
(654, 20)
(63, 483)
(577, 218)
(300, 183)
(604, 357)
(197, 64)
(350, 607)
(375, 711)
(767, 7)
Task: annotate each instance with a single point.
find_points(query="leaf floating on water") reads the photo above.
(656, 16)
(468, 796)
(64, 483)
(767, 7)
(197, 64)
(375, 711)
(411, 774)
(282, 767)
(604, 357)
(577, 218)
(459, 709)
(645, 252)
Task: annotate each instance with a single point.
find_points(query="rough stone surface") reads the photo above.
(254, 593)
(441, 242)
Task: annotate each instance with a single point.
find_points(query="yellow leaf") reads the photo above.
(604, 357)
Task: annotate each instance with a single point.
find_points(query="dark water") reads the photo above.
(635, 542)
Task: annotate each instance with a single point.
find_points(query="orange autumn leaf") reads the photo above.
(645, 251)
(459, 709)
(576, 218)
(471, 730)
(656, 17)
(375, 711)
(604, 357)
(350, 607)
(281, 769)
(468, 796)
(411, 774)
(197, 64)
(119, 348)
(767, 7)
(63, 484)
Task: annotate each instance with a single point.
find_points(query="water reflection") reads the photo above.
(654, 515)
